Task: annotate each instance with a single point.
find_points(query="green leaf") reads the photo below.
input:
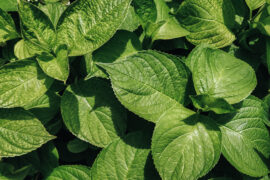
(149, 83)
(22, 82)
(8, 172)
(245, 139)
(121, 45)
(77, 146)
(86, 24)
(254, 4)
(125, 158)
(23, 51)
(20, 133)
(55, 67)
(220, 75)
(170, 28)
(7, 27)
(185, 147)
(146, 10)
(208, 21)
(92, 113)
(49, 157)
(208, 103)
(131, 22)
(9, 5)
(36, 26)
(53, 11)
(72, 172)
(45, 107)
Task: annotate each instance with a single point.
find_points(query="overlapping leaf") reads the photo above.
(149, 83)
(21, 82)
(185, 147)
(20, 132)
(88, 24)
(92, 113)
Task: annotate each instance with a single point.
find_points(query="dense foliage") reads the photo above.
(134, 89)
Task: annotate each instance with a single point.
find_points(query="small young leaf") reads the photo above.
(88, 24)
(245, 139)
(7, 27)
(36, 26)
(22, 82)
(125, 158)
(72, 172)
(208, 103)
(92, 113)
(208, 21)
(20, 132)
(220, 75)
(77, 146)
(23, 51)
(149, 83)
(185, 147)
(55, 67)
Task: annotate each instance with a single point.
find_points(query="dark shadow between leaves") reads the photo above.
(150, 172)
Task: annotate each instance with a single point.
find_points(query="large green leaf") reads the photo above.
(185, 147)
(21, 82)
(9, 5)
(245, 139)
(7, 27)
(208, 21)
(71, 172)
(221, 75)
(88, 24)
(36, 26)
(92, 113)
(149, 83)
(20, 132)
(127, 158)
(254, 4)
(45, 107)
(56, 66)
